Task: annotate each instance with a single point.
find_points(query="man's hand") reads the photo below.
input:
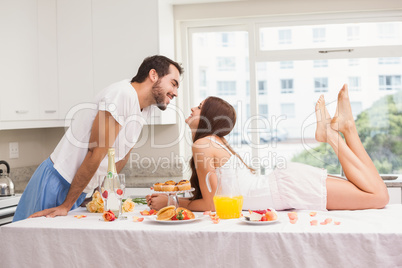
(51, 212)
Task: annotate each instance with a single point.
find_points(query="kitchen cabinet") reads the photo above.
(19, 60)
(47, 60)
(74, 50)
(57, 54)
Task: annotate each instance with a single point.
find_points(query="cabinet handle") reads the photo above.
(50, 111)
(21, 111)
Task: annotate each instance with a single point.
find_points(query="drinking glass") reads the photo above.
(120, 189)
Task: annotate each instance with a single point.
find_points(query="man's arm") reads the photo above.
(120, 164)
(103, 135)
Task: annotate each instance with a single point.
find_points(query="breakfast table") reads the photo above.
(365, 238)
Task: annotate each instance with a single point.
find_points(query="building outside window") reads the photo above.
(262, 87)
(318, 35)
(389, 82)
(379, 101)
(225, 88)
(203, 77)
(321, 84)
(320, 63)
(353, 33)
(286, 64)
(387, 61)
(226, 63)
(226, 39)
(288, 109)
(354, 83)
(285, 37)
(286, 85)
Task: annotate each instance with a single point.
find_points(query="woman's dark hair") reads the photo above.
(218, 118)
(161, 65)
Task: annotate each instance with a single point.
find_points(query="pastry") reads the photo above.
(170, 182)
(184, 185)
(166, 213)
(190, 214)
(168, 187)
(158, 186)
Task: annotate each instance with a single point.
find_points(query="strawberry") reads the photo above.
(119, 191)
(174, 218)
(105, 194)
(264, 218)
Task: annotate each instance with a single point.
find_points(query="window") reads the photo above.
(263, 110)
(288, 109)
(318, 35)
(357, 108)
(285, 37)
(226, 40)
(225, 88)
(385, 61)
(283, 52)
(390, 82)
(226, 63)
(321, 84)
(286, 64)
(354, 62)
(353, 33)
(262, 88)
(286, 85)
(354, 83)
(203, 77)
(320, 63)
(389, 31)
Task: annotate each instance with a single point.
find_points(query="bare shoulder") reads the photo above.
(203, 145)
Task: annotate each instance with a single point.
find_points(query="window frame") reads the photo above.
(256, 55)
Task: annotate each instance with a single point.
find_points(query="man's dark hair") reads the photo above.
(159, 63)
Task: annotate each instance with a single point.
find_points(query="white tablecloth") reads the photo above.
(367, 238)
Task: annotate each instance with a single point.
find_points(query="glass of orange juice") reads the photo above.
(228, 207)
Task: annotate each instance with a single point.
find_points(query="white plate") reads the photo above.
(243, 219)
(153, 218)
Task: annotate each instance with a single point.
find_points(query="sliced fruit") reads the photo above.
(145, 213)
(105, 194)
(119, 191)
(271, 216)
(292, 215)
(264, 218)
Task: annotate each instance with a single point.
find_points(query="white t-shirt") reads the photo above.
(121, 100)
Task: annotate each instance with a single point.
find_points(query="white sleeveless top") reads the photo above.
(254, 188)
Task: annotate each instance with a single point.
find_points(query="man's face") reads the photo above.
(165, 88)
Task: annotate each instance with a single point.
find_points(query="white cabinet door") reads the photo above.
(74, 49)
(19, 60)
(47, 60)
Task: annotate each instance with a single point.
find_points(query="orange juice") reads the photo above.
(228, 207)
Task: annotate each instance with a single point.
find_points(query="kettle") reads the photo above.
(6, 184)
(228, 200)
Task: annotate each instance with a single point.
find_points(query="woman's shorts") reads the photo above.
(299, 186)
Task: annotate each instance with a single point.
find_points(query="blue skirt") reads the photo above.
(46, 189)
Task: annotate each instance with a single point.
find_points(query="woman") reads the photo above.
(298, 186)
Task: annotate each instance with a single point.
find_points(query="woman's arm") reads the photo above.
(203, 154)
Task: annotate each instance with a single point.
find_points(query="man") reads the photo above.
(62, 181)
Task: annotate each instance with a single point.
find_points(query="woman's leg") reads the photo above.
(370, 189)
(344, 122)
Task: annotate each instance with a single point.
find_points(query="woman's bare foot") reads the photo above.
(343, 119)
(323, 121)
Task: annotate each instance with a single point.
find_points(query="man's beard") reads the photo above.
(159, 96)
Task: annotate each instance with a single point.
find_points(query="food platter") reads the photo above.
(175, 192)
(153, 218)
(243, 219)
